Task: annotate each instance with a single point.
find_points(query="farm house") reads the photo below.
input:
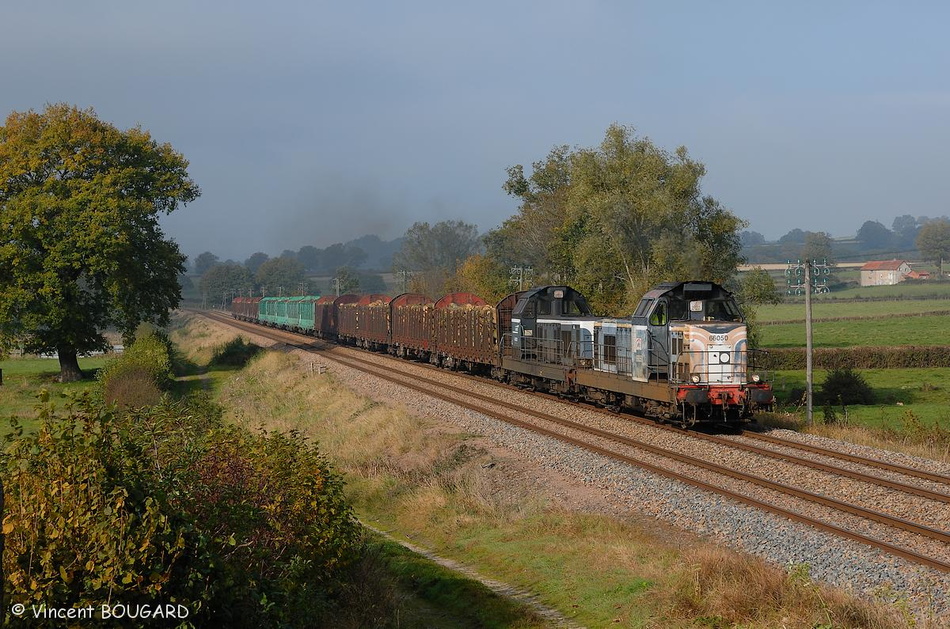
(884, 272)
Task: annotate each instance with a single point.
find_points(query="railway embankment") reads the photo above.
(600, 540)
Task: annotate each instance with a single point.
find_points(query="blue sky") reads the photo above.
(318, 122)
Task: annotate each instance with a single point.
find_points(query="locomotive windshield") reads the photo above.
(686, 301)
(715, 310)
(719, 309)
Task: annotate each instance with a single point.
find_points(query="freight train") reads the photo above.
(682, 357)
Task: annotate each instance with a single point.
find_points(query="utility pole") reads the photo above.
(521, 275)
(404, 279)
(812, 281)
(336, 285)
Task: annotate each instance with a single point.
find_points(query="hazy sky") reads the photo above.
(316, 122)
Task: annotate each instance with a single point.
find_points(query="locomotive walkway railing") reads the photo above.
(711, 366)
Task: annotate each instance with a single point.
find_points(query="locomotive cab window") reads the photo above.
(544, 308)
(570, 308)
(643, 308)
(678, 310)
(659, 314)
(721, 310)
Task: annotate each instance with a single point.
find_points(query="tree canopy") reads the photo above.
(933, 241)
(223, 282)
(874, 234)
(433, 254)
(80, 245)
(282, 276)
(615, 219)
(254, 262)
(205, 261)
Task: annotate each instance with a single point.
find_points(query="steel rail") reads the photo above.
(853, 458)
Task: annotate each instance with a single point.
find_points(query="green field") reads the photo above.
(903, 290)
(830, 309)
(902, 396)
(25, 378)
(884, 332)
(914, 403)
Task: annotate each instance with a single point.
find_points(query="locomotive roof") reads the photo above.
(553, 293)
(687, 290)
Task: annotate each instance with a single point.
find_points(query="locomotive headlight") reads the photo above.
(724, 357)
(756, 378)
(695, 379)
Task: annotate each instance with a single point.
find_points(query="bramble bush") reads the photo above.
(168, 504)
(139, 375)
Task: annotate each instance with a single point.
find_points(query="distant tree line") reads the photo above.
(292, 272)
(282, 276)
(907, 236)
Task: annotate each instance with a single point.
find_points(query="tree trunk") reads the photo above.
(2, 546)
(69, 370)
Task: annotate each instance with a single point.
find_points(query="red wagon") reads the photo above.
(411, 317)
(466, 329)
(245, 308)
(366, 322)
(326, 314)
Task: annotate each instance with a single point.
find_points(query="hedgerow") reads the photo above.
(906, 357)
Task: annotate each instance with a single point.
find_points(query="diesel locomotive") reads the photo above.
(682, 357)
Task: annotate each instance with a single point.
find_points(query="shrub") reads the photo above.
(846, 386)
(235, 353)
(169, 504)
(139, 375)
(79, 528)
(276, 515)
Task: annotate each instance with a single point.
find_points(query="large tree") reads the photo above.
(615, 219)
(282, 276)
(905, 228)
(223, 282)
(874, 235)
(254, 262)
(81, 248)
(933, 241)
(433, 253)
(205, 261)
(818, 248)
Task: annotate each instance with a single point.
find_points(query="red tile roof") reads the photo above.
(883, 265)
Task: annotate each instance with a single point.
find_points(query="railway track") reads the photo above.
(912, 539)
